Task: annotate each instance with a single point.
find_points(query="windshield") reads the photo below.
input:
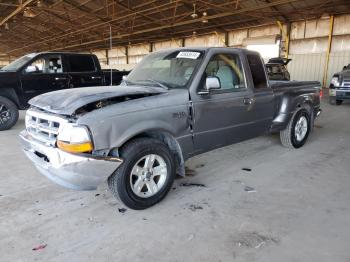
(15, 65)
(172, 69)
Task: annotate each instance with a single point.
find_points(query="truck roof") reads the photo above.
(57, 52)
(206, 49)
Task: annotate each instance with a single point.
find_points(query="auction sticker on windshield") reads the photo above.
(190, 55)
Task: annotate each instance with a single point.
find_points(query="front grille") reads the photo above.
(43, 126)
(346, 82)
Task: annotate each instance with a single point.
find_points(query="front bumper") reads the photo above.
(340, 93)
(75, 171)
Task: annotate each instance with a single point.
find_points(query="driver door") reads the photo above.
(44, 74)
(222, 116)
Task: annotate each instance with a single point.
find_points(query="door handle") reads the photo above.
(248, 101)
(60, 78)
(96, 77)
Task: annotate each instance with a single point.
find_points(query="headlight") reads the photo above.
(335, 81)
(74, 138)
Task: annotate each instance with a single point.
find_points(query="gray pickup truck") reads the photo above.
(339, 88)
(174, 105)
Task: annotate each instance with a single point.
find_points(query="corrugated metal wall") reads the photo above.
(307, 67)
(308, 46)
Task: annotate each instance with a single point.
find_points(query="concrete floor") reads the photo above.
(299, 212)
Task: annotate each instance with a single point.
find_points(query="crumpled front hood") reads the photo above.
(67, 101)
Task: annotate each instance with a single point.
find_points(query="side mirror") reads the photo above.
(30, 69)
(211, 83)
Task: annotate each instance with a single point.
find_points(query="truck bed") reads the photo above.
(288, 95)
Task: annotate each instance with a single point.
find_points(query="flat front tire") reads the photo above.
(146, 175)
(8, 113)
(298, 129)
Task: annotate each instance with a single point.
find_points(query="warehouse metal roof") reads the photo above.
(45, 25)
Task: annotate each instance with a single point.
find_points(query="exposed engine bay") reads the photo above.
(110, 101)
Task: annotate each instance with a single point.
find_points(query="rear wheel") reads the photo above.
(298, 129)
(146, 174)
(8, 113)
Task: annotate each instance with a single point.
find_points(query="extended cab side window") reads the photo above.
(228, 69)
(257, 69)
(81, 63)
(45, 65)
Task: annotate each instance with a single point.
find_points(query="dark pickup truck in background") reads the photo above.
(339, 88)
(39, 73)
(174, 105)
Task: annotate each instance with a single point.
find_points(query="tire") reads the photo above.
(289, 136)
(334, 101)
(122, 182)
(8, 113)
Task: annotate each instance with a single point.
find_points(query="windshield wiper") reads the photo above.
(156, 82)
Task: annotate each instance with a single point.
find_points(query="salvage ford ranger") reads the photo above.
(174, 105)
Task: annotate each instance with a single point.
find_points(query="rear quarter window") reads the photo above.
(81, 63)
(257, 69)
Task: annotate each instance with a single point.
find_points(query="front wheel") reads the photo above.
(298, 129)
(145, 176)
(8, 113)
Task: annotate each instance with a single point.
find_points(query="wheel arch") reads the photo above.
(10, 94)
(167, 138)
(289, 105)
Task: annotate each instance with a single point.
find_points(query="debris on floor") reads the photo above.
(39, 247)
(249, 189)
(192, 184)
(193, 207)
(254, 240)
(190, 172)
(190, 237)
(122, 210)
(200, 165)
(246, 169)
(238, 182)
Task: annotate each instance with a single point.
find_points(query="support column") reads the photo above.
(286, 34)
(329, 47)
(127, 54)
(226, 39)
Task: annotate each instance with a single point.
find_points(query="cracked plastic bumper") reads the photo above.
(75, 171)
